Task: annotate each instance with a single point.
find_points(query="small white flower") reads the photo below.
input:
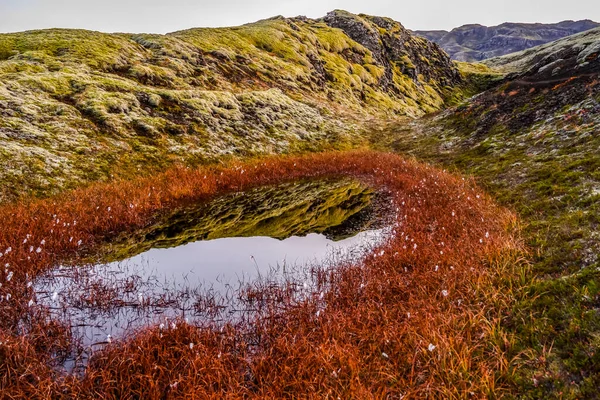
(109, 339)
(161, 326)
(191, 346)
(30, 303)
(9, 277)
(43, 242)
(79, 242)
(385, 355)
(487, 235)
(29, 284)
(431, 347)
(437, 268)
(445, 293)
(38, 250)
(173, 326)
(8, 296)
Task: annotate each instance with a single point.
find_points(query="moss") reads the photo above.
(275, 86)
(477, 79)
(548, 173)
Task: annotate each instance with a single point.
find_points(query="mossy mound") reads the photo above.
(79, 106)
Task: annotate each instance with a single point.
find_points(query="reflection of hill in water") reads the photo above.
(337, 209)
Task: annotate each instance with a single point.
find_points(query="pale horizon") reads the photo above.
(136, 16)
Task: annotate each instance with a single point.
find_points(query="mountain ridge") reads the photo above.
(475, 42)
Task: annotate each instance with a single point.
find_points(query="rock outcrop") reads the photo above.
(396, 48)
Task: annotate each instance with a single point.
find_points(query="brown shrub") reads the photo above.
(420, 316)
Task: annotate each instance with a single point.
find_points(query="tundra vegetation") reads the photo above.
(532, 142)
(420, 315)
(103, 136)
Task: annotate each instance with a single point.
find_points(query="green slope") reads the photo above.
(533, 142)
(78, 106)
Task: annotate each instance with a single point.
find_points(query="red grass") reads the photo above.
(369, 337)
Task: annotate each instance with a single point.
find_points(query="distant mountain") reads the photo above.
(571, 56)
(478, 42)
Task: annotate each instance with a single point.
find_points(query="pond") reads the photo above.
(199, 263)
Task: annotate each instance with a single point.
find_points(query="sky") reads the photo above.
(162, 16)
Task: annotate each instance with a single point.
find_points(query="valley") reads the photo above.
(485, 174)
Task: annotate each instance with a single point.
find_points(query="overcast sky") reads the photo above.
(162, 16)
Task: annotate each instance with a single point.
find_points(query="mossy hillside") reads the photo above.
(79, 106)
(292, 209)
(56, 47)
(477, 78)
(59, 130)
(537, 152)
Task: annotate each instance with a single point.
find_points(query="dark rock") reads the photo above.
(393, 46)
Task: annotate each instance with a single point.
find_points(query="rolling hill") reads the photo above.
(78, 106)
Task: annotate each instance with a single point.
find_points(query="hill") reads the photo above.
(477, 42)
(79, 106)
(533, 142)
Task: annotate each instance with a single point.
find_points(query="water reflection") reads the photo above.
(193, 263)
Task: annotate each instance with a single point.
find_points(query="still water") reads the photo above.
(193, 264)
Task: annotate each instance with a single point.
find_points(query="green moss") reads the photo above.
(548, 174)
(144, 101)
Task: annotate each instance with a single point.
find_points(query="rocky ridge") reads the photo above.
(477, 42)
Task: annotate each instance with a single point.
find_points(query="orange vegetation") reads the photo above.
(420, 316)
